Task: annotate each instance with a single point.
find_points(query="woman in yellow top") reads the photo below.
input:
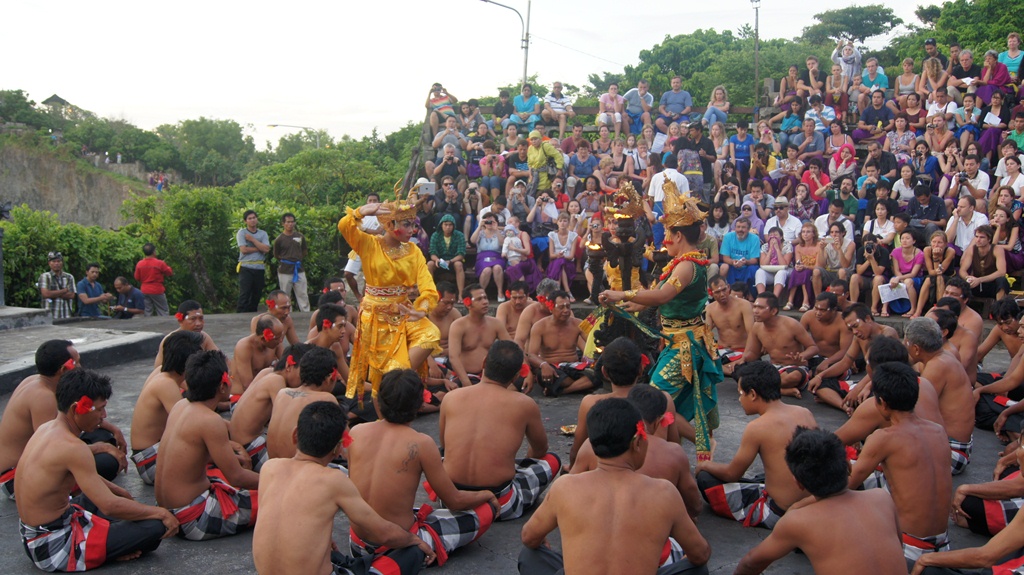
(393, 334)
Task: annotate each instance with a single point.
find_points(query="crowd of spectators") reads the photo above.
(791, 202)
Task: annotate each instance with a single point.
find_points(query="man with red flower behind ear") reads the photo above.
(208, 503)
(580, 507)
(190, 317)
(34, 403)
(487, 461)
(471, 337)
(318, 376)
(255, 352)
(332, 333)
(71, 535)
(555, 346)
(279, 305)
(386, 460)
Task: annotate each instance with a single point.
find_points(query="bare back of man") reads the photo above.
(664, 460)
(158, 396)
(582, 505)
(32, 404)
(866, 418)
(770, 434)
(870, 514)
(914, 455)
(444, 325)
(470, 338)
(252, 412)
(193, 437)
(208, 345)
(956, 399)
(288, 404)
(477, 459)
(733, 318)
(964, 345)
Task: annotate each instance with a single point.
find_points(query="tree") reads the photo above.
(213, 152)
(15, 106)
(978, 25)
(856, 23)
(683, 55)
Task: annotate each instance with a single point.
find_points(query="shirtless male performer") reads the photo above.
(190, 318)
(957, 287)
(830, 386)
(279, 305)
(722, 484)
(665, 459)
(318, 375)
(866, 418)
(252, 413)
(301, 497)
(923, 339)
(444, 313)
(734, 318)
(254, 352)
(960, 341)
(336, 287)
(472, 335)
(825, 323)
(71, 535)
(535, 311)
(159, 394)
(195, 435)
(621, 365)
(510, 311)
(913, 453)
(333, 334)
(787, 343)
(487, 462)
(386, 460)
(1005, 313)
(554, 341)
(34, 402)
(579, 507)
(818, 462)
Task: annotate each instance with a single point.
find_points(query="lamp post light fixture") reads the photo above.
(757, 52)
(526, 30)
(314, 130)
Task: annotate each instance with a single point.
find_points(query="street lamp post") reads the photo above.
(757, 51)
(526, 30)
(314, 130)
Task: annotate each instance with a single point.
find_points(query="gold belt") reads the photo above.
(672, 323)
(388, 291)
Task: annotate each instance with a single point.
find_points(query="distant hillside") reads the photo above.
(75, 191)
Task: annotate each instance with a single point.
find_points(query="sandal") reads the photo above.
(804, 308)
(788, 307)
(885, 314)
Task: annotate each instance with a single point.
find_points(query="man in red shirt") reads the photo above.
(151, 272)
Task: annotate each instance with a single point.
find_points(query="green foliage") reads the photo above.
(978, 25)
(15, 106)
(31, 234)
(213, 152)
(856, 23)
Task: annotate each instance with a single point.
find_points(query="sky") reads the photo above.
(344, 66)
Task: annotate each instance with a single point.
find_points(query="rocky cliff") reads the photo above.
(76, 193)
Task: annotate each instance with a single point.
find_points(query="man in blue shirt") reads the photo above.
(673, 106)
(130, 300)
(875, 121)
(740, 252)
(91, 294)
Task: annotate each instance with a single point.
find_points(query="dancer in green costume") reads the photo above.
(688, 368)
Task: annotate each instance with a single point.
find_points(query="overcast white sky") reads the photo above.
(344, 66)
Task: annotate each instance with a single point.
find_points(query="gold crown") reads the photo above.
(627, 202)
(400, 209)
(680, 210)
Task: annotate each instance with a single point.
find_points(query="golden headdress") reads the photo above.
(626, 202)
(401, 208)
(680, 210)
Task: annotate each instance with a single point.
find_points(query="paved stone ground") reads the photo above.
(497, 551)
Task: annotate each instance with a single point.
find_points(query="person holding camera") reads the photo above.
(927, 212)
(835, 257)
(488, 239)
(543, 219)
(492, 171)
(441, 105)
(873, 263)
(519, 202)
(449, 163)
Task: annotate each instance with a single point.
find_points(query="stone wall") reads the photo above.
(74, 193)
